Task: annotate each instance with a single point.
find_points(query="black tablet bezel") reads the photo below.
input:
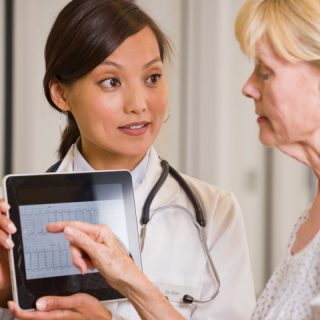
(38, 189)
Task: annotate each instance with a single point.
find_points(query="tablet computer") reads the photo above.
(40, 261)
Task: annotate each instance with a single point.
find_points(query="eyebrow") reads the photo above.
(260, 62)
(150, 63)
(119, 66)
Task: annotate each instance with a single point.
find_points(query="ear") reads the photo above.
(58, 95)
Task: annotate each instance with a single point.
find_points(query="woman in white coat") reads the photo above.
(104, 69)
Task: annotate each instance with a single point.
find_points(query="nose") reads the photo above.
(250, 89)
(136, 99)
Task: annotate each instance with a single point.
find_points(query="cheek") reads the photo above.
(163, 105)
(160, 102)
(276, 102)
(96, 108)
(286, 114)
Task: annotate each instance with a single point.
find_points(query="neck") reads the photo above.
(314, 212)
(306, 152)
(110, 161)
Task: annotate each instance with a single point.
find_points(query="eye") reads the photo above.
(262, 72)
(263, 75)
(110, 83)
(154, 78)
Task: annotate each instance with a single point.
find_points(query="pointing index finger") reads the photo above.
(92, 230)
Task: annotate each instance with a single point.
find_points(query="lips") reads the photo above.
(261, 119)
(135, 128)
(261, 116)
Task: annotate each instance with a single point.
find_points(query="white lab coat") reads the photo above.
(173, 258)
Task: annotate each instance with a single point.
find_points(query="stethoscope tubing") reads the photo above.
(201, 223)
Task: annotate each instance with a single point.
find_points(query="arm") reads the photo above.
(103, 251)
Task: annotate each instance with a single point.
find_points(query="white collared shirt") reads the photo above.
(80, 164)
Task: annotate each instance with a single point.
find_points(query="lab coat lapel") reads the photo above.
(67, 162)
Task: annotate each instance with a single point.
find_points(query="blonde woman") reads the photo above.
(282, 37)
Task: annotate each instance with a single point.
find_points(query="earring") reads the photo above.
(167, 117)
(62, 121)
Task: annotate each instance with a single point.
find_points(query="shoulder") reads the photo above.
(66, 164)
(211, 193)
(54, 167)
(221, 207)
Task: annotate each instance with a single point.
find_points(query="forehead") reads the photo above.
(142, 43)
(266, 54)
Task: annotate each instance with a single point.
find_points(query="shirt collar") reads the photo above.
(138, 173)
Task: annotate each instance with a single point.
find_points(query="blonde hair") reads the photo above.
(292, 27)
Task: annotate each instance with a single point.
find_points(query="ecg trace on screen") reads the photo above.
(48, 254)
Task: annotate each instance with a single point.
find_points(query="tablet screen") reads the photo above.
(40, 261)
(46, 254)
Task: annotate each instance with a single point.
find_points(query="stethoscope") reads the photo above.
(201, 222)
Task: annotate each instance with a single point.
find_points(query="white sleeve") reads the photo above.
(228, 248)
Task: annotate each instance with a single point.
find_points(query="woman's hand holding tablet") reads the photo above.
(79, 306)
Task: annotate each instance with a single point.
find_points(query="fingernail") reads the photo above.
(5, 206)
(12, 228)
(41, 305)
(9, 243)
(69, 231)
(10, 305)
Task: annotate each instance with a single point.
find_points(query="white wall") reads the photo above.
(2, 26)
(36, 132)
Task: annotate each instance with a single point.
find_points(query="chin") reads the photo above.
(267, 140)
(138, 151)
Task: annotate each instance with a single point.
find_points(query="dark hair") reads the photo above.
(82, 36)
